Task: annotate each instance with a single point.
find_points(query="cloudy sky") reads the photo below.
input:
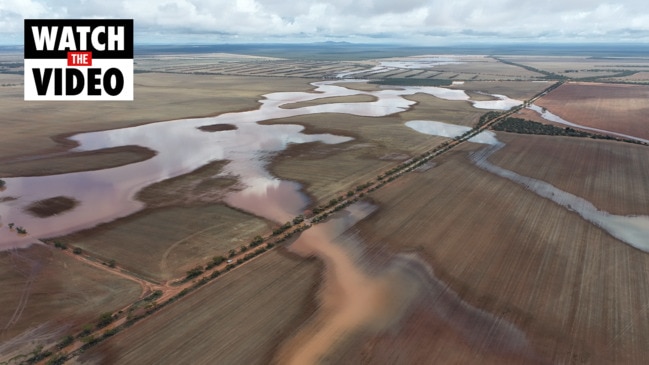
(426, 22)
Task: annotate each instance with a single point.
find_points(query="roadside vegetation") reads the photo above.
(109, 324)
(524, 126)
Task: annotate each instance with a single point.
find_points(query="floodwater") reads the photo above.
(633, 230)
(356, 299)
(181, 147)
(545, 114)
(408, 63)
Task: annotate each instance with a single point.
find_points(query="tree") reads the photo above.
(11, 226)
(111, 263)
(105, 319)
(77, 251)
(2, 183)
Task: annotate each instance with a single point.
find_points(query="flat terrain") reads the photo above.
(520, 90)
(576, 293)
(609, 69)
(378, 143)
(614, 107)
(611, 175)
(494, 273)
(164, 243)
(28, 127)
(239, 319)
(47, 295)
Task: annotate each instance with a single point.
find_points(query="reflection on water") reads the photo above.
(408, 63)
(633, 230)
(181, 147)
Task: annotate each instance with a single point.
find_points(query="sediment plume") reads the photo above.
(356, 299)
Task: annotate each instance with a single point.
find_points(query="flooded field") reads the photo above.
(549, 116)
(185, 145)
(633, 230)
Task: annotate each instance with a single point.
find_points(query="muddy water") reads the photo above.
(356, 299)
(181, 148)
(633, 230)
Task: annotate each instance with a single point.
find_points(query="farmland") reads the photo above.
(48, 295)
(240, 319)
(528, 258)
(618, 108)
(170, 240)
(454, 264)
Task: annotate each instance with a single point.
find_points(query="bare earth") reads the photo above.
(614, 107)
(50, 295)
(501, 275)
(521, 258)
(221, 323)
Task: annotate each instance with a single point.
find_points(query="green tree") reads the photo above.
(2, 183)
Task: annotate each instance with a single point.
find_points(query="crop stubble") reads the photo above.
(54, 295)
(614, 107)
(576, 292)
(238, 319)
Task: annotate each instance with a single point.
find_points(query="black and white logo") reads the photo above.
(78, 59)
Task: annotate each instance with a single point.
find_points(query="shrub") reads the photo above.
(67, 340)
(194, 272)
(105, 319)
(86, 330)
(110, 332)
(60, 245)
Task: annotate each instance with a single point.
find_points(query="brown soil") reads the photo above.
(576, 293)
(67, 162)
(48, 295)
(611, 175)
(614, 107)
(198, 187)
(332, 100)
(237, 319)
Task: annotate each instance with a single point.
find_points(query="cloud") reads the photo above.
(254, 20)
